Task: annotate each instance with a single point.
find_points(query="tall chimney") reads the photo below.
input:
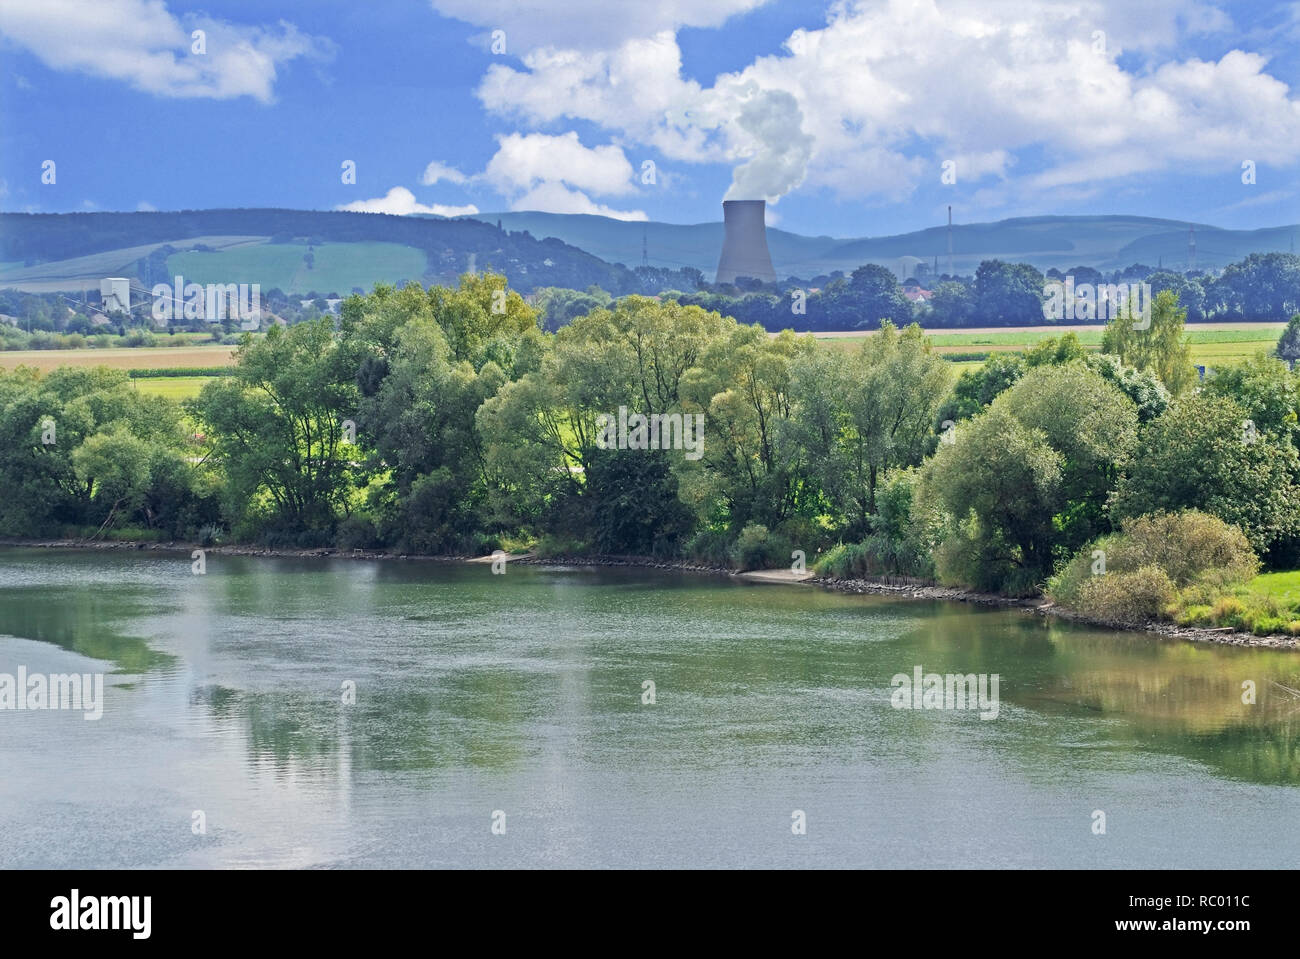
(744, 242)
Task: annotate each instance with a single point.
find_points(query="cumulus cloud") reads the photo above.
(524, 160)
(555, 174)
(437, 172)
(553, 197)
(876, 100)
(400, 201)
(588, 24)
(144, 206)
(141, 43)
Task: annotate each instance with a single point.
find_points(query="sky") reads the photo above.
(850, 118)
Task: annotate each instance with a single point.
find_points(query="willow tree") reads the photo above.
(1153, 341)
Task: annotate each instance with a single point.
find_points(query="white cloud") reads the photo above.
(400, 201)
(555, 173)
(436, 172)
(523, 161)
(144, 206)
(871, 104)
(141, 43)
(588, 24)
(553, 197)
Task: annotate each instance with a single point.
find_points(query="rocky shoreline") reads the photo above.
(901, 590)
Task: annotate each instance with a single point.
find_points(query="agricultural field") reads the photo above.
(1212, 344)
(173, 387)
(336, 268)
(122, 358)
(86, 271)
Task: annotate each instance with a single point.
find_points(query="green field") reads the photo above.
(337, 268)
(1210, 347)
(173, 387)
(1283, 587)
(85, 272)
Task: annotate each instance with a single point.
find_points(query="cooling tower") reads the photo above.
(744, 242)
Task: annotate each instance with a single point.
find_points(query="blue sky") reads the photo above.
(843, 115)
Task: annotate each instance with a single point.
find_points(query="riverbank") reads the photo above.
(1040, 606)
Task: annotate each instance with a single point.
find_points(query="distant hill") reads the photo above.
(69, 251)
(301, 251)
(1102, 242)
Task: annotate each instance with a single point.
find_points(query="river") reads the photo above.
(341, 713)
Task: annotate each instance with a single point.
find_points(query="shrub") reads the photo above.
(845, 561)
(756, 548)
(550, 545)
(1197, 615)
(357, 532)
(1194, 549)
(710, 547)
(1132, 598)
(1228, 611)
(1268, 626)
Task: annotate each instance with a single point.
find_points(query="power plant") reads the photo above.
(744, 242)
(115, 292)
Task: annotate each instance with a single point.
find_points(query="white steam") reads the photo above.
(769, 130)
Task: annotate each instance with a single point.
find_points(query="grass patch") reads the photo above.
(337, 267)
(173, 387)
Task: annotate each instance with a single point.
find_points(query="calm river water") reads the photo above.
(517, 700)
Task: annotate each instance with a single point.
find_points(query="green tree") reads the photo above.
(1288, 344)
(864, 413)
(1008, 293)
(1205, 453)
(997, 488)
(1026, 481)
(1156, 344)
(1265, 389)
(952, 304)
(276, 428)
(875, 296)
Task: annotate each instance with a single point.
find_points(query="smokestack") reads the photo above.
(950, 272)
(744, 242)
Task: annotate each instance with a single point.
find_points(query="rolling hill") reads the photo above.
(71, 251)
(1102, 242)
(300, 251)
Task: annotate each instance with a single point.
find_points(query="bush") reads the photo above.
(1269, 626)
(551, 545)
(1194, 550)
(1228, 611)
(710, 547)
(756, 548)
(1131, 598)
(357, 532)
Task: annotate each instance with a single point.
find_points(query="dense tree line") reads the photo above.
(446, 420)
(1264, 286)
